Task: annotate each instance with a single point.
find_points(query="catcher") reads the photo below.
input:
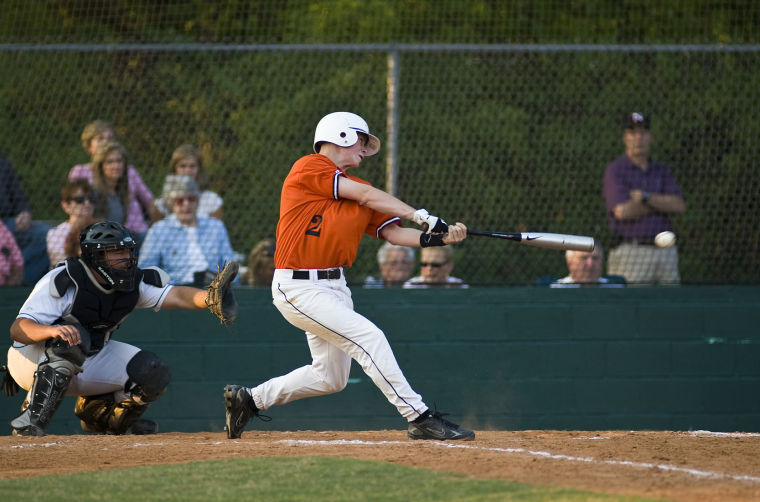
(61, 336)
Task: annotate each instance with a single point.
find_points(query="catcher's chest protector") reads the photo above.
(100, 313)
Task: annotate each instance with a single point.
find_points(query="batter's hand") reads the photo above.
(67, 333)
(457, 233)
(430, 224)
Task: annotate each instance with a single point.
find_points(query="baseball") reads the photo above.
(665, 239)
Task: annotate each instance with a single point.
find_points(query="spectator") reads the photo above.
(114, 196)
(140, 202)
(187, 160)
(436, 265)
(188, 246)
(77, 201)
(261, 264)
(640, 196)
(585, 269)
(29, 235)
(11, 260)
(71, 247)
(396, 265)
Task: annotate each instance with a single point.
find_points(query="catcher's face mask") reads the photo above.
(118, 267)
(108, 248)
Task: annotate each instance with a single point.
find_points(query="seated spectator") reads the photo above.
(396, 264)
(187, 160)
(29, 235)
(436, 265)
(11, 260)
(114, 196)
(77, 201)
(189, 247)
(72, 248)
(141, 201)
(261, 264)
(585, 269)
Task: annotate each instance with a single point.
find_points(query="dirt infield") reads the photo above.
(683, 466)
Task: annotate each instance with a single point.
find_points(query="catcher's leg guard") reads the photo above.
(93, 411)
(148, 378)
(101, 414)
(50, 383)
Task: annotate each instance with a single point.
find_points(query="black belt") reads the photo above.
(333, 273)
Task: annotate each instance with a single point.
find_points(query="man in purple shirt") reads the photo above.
(640, 196)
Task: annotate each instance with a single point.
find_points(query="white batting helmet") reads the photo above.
(341, 128)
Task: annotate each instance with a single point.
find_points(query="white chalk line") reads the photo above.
(33, 445)
(725, 434)
(542, 454)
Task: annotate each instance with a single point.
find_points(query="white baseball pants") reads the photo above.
(323, 308)
(102, 373)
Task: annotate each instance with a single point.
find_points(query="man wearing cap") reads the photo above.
(188, 246)
(640, 196)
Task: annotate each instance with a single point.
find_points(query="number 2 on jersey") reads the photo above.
(314, 228)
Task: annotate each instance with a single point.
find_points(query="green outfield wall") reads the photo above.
(495, 358)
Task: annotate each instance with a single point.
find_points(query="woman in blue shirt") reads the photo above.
(189, 247)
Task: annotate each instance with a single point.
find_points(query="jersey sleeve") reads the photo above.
(378, 222)
(41, 306)
(319, 177)
(152, 297)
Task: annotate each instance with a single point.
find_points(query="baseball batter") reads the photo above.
(324, 211)
(61, 338)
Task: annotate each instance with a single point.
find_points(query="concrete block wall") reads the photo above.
(506, 358)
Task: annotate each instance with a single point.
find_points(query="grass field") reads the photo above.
(280, 479)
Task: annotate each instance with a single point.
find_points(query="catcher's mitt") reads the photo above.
(220, 300)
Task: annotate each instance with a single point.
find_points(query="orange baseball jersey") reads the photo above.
(318, 229)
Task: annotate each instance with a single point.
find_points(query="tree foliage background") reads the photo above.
(508, 111)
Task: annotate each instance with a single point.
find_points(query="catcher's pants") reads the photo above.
(102, 373)
(336, 333)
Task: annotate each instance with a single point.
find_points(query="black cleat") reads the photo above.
(141, 427)
(434, 426)
(239, 408)
(29, 430)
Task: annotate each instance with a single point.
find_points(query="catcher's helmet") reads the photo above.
(341, 128)
(104, 236)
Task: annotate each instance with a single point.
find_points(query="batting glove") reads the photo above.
(430, 224)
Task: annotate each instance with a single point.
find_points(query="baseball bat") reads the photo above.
(543, 239)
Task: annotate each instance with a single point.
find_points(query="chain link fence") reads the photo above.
(500, 126)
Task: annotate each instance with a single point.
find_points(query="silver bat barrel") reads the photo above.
(558, 241)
